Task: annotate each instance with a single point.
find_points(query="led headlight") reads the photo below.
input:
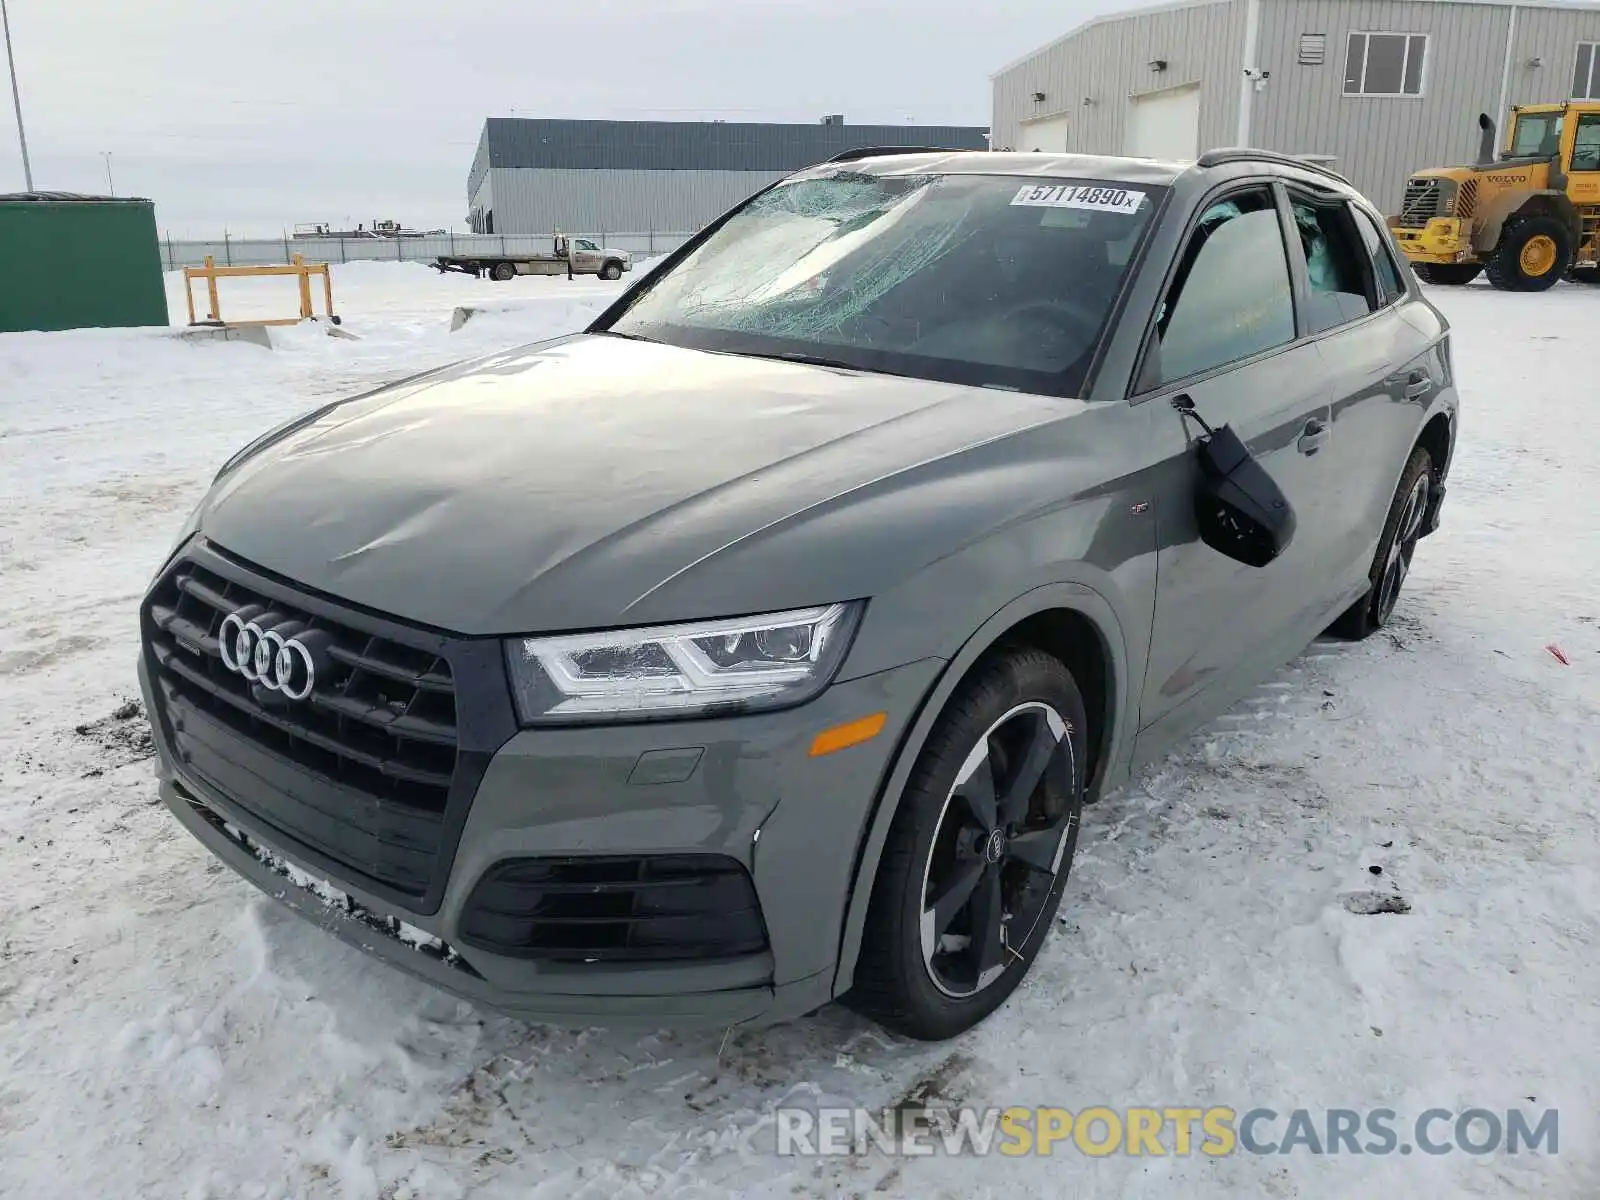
(741, 664)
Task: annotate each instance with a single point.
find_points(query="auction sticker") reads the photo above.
(1095, 199)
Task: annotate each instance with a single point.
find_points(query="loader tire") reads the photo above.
(1534, 254)
(1589, 275)
(1447, 274)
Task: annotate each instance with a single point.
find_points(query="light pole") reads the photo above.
(16, 98)
(110, 187)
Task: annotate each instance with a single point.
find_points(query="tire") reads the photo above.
(1447, 274)
(1019, 714)
(1392, 563)
(1589, 275)
(502, 271)
(1533, 255)
(612, 270)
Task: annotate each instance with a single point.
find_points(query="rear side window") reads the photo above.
(1231, 297)
(1384, 269)
(1335, 265)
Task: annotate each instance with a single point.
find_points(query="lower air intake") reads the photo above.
(659, 908)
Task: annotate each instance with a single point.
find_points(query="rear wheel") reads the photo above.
(978, 852)
(502, 271)
(1533, 255)
(1392, 563)
(1589, 275)
(1447, 274)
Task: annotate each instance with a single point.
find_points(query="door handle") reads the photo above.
(1418, 384)
(1314, 436)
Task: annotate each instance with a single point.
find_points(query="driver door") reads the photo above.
(1227, 337)
(585, 255)
(1583, 169)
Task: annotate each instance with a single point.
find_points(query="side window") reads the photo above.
(1231, 297)
(1586, 143)
(1334, 266)
(1390, 285)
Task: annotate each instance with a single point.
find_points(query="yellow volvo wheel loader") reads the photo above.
(1525, 218)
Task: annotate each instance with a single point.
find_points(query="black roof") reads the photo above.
(1117, 169)
(699, 145)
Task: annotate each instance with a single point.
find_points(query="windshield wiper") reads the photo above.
(632, 337)
(811, 360)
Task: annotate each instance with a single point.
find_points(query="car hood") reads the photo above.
(594, 481)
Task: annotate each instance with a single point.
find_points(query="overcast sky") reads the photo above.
(251, 116)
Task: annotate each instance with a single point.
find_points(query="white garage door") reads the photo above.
(1164, 124)
(1049, 135)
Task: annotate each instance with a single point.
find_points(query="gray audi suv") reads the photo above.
(759, 645)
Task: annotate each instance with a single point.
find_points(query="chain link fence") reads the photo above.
(261, 252)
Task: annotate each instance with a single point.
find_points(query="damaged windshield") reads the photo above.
(979, 279)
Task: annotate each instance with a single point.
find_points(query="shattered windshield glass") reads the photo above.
(989, 280)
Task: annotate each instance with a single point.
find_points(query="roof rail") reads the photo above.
(1216, 158)
(876, 151)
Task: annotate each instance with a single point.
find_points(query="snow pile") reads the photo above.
(167, 1031)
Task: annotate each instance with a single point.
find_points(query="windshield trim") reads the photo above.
(930, 369)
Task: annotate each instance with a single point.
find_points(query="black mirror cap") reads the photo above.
(1239, 509)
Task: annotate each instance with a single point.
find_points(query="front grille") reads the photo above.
(1467, 199)
(615, 909)
(363, 775)
(1424, 200)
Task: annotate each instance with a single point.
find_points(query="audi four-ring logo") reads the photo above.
(257, 648)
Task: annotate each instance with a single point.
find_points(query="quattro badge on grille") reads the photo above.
(278, 653)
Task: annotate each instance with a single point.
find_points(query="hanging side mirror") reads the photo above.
(1239, 509)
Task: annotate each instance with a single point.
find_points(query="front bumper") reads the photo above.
(752, 794)
(1441, 240)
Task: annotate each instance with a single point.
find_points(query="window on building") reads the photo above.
(1586, 74)
(1335, 269)
(1231, 299)
(1384, 64)
(1390, 285)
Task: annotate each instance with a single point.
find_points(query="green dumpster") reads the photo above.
(78, 262)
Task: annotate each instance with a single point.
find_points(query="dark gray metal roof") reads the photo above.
(699, 145)
(67, 198)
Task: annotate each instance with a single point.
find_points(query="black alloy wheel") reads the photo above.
(979, 849)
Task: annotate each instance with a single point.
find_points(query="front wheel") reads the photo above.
(1447, 274)
(978, 853)
(1396, 548)
(1533, 255)
(612, 270)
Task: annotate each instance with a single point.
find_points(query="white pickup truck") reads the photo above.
(584, 256)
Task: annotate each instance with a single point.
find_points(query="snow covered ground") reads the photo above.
(167, 1032)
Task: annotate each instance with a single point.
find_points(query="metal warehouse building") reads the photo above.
(533, 176)
(1383, 87)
